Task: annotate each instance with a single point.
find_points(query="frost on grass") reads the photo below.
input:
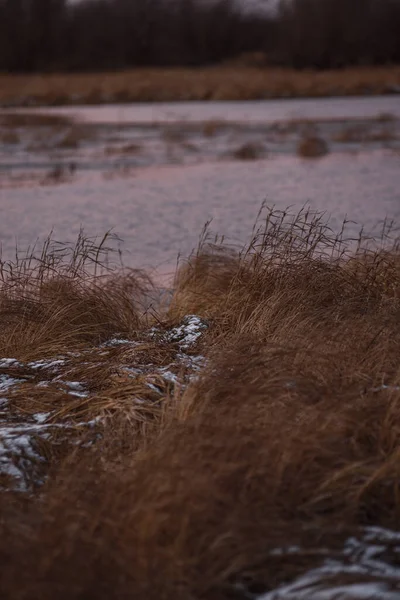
(75, 378)
(187, 334)
(367, 567)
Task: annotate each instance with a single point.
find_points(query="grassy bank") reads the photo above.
(230, 82)
(191, 434)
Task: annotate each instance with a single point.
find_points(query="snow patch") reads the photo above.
(362, 571)
(9, 362)
(40, 418)
(188, 332)
(45, 364)
(6, 382)
(118, 342)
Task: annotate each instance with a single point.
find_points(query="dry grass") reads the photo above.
(19, 119)
(312, 146)
(222, 82)
(249, 151)
(75, 136)
(363, 134)
(291, 435)
(173, 134)
(124, 150)
(59, 174)
(212, 127)
(55, 297)
(9, 137)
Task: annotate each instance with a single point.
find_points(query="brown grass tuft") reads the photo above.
(212, 127)
(312, 147)
(124, 150)
(249, 151)
(20, 119)
(74, 136)
(9, 137)
(61, 294)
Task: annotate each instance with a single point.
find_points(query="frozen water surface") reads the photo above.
(155, 173)
(159, 212)
(258, 111)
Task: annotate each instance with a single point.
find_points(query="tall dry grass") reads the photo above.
(291, 435)
(62, 295)
(222, 82)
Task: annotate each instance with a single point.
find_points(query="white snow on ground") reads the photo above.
(114, 342)
(45, 364)
(367, 568)
(6, 382)
(20, 432)
(185, 335)
(41, 417)
(76, 388)
(188, 333)
(8, 362)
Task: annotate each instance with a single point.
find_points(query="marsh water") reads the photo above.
(155, 174)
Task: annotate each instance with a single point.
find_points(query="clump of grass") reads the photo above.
(290, 435)
(126, 149)
(74, 136)
(20, 119)
(9, 137)
(59, 173)
(249, 151)
(212, 127)
(173, 134)
(61, 293)
(384, 135)
(312, 146)
(351, 134)
(362, 134)
(386, 117)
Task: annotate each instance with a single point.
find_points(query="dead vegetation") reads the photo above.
(312, 146)
(183, 84)
(14, 120)
(74, 136)
(64, 299)
(290, 434)
(212, 127)
(9, 137)
(249, 151)
(124, 150)
(363, 134)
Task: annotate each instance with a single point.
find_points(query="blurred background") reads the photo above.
(153, 117)
(65, 35)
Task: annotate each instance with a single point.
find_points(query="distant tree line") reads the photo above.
(54, 35)
(329, 34)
